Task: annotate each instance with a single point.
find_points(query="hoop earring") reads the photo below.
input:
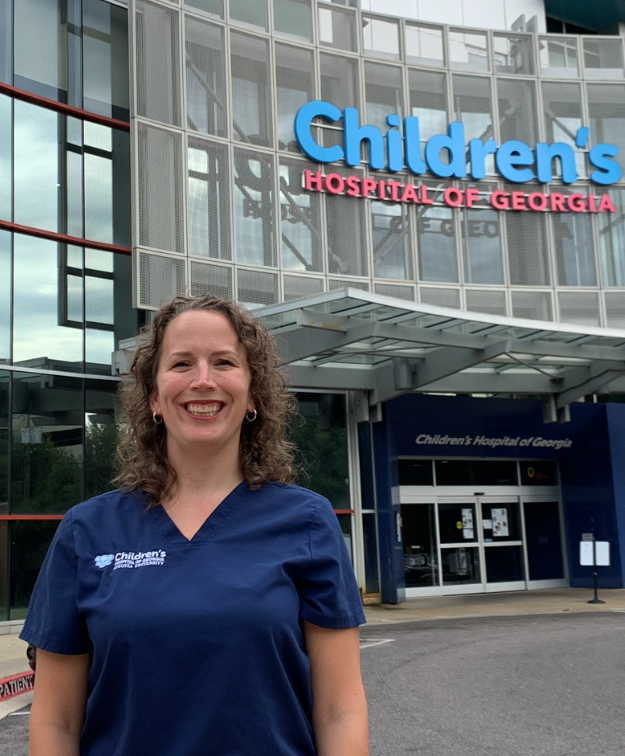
(254, 415)
(160, 418)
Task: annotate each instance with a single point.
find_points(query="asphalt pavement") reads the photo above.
(529, 685)
(549, 685)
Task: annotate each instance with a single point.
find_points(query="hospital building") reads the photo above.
(424, 201)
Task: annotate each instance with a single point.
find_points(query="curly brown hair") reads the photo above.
(264, 452)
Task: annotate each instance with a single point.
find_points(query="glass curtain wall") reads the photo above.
(70, 176)
(64, 306)
(247, 71)
(72, 51)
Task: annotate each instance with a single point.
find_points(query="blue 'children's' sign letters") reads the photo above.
(394, 151)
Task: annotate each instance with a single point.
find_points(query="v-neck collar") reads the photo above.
(211, 525)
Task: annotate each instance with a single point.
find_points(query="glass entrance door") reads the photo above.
(421, 561)
(481, 544)
(464, 544)
(459, 545)
(502, 539)
(472, 526)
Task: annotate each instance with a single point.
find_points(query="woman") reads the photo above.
(206, 607)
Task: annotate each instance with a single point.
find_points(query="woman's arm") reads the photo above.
(59, 700)
(339, 712)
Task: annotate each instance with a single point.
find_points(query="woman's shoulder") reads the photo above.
(120, 501)
(293, 497)
(291, 491)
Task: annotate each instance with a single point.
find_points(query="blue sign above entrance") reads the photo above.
(394, 151)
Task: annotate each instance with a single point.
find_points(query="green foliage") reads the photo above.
(49, 479)
(46, 478)
(322, 457)
(100, 444)
(4, 466)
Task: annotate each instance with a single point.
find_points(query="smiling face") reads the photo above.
(202, 385)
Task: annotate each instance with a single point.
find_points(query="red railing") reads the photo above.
(64, 238)
(13, 518)
(60, 107)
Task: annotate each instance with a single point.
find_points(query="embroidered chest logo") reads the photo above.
(129, 560)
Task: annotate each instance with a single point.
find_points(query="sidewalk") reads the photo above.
(549, 601)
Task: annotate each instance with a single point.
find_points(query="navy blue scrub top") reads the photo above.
(197, 645)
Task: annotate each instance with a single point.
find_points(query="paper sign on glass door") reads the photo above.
(467, 524)
(500, 522)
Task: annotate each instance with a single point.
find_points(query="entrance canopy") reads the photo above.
(351, 339)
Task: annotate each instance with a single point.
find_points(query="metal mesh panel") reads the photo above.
(74, 193)
(254, 211)
(428, 102)
(612, 240)
(615, 308)
(395, 290)
(295, 84)
(517, 110)
(293, 18)
(440, 297)
(480, 229)
(339, 86)
(251, 89)
(158, 62)
(473, 107)
(300, 219)
(574, 248)
(391, 239)
(98, 198)
(468, 51)
(347, 242)
(580, 307)
(436, 241)
(603, 58)
(513, 53)
(424, 45)
(98, 181)
(99, 301)
(337, 283)
(255, 288)
(212, 7)
(99, 259)
(208, 200)
(98, 136)
(337, 28)
(491, 302)
(205, 60)
(73, 299)
(528, 253)
(562, 110)
(606, 107)
(380, 38)
(532, 305)
(160, 184)
(296, 287)
(210, 279)
(159, 277)
(252, 13)
(559, 56)
(383, 93)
